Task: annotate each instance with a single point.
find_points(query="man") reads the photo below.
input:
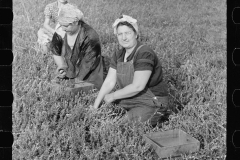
(78, 54)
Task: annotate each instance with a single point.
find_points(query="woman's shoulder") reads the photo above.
(50, 9)
(146, 49)
(145, 52)
(73, 4)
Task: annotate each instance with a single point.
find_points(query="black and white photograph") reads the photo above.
(119, 79)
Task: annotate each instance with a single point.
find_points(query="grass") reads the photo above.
(189, 37)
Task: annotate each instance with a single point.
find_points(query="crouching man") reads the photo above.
(78, 54)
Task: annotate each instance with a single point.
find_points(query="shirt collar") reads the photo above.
(130, 57)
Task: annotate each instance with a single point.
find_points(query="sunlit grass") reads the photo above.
(189, 37)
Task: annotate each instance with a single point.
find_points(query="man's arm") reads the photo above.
(91, 58)
(56, 44)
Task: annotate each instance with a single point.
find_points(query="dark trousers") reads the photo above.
(151, 115)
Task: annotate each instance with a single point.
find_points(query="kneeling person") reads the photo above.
(137, 73)
(78, 55)
(45, 33)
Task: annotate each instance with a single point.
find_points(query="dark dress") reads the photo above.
(150, 103)
(146, 59)
(84, 61)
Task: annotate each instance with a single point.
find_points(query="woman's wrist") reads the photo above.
(97, 102)
(113, 96)
(95, 106)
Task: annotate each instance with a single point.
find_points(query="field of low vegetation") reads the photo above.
(189, 37)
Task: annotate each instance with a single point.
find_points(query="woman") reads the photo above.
(78, 54)
(51, 13)
(137, 74)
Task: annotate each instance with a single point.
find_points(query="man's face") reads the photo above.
(70, 28)
(127, 38)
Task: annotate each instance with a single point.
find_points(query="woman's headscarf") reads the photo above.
(69, 14)
(125, 18)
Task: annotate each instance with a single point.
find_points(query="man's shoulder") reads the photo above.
(90, 32)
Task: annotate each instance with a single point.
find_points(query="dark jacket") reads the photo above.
(84, 61)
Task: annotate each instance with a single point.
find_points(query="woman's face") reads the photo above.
(127, 38)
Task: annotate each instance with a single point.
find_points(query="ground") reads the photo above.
(189, 37)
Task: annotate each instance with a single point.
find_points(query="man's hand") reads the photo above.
(109, 98)
(61, 73)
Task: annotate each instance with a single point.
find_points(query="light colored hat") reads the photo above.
(69, 14)
(125, 18)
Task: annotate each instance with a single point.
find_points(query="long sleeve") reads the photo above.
(56, 44)
(90, 60)
(87, 53)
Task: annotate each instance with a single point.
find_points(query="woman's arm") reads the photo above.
(107, 86)
(140, 81)
(47, 26)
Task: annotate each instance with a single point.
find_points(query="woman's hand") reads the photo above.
(93, 107)
(47, 26)
(109, 98)
(106, 88)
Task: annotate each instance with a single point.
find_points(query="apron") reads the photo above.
(143, 105)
